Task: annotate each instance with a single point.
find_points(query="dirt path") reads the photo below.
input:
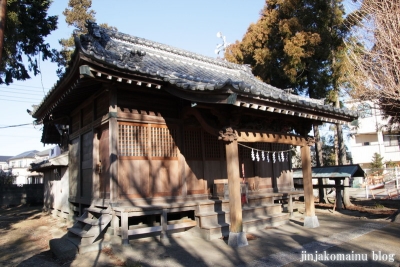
(24, 240)
(25, 233)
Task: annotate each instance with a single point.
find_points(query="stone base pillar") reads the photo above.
(237, 240)
(311, 222)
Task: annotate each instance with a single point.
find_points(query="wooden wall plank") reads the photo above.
(194, 175)
(134, 178)
(165, 178)
(104, 157)
(73, 167)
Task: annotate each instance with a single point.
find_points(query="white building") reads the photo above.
(20, 165)
(4, 163)
(370, 136)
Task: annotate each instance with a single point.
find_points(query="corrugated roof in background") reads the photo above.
(332, 171)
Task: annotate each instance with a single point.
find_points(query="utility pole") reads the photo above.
(3, 12)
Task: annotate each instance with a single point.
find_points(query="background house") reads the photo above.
(4, 163)
(369, 136)
(20, 164)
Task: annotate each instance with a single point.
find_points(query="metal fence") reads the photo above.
(387, 179)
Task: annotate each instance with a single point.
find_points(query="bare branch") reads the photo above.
(375, 65)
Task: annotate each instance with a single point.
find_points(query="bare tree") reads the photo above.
(375, 61)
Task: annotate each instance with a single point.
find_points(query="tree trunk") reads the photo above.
(319, 160)
(318, 146)
(3, 14)
(336, 147)
(341, 158)
(341, 147)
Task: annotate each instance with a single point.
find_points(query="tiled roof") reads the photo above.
(26, 154)
(44, 153)
(4, 158)
(342, 171)
(183, 69)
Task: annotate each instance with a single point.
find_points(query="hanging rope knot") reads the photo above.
(227, 134)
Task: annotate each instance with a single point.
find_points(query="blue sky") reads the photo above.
(189, 25)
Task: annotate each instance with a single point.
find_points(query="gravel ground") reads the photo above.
(25, 233)
(24, 240)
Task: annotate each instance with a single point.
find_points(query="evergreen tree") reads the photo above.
(26, 26)
(76, 15)
(292, 45)
(377, 163)
(298, 44)
(6, 177)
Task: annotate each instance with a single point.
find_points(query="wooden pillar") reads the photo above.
(114, 223)
(237, 238)
(321, 191)
(235, 204)
(164, 224)
(113, 142)
(124, 228)
(346, 194)
(338, 188)
(291, 206)
(96, 176)
(311, 220)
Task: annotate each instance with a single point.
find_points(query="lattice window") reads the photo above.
(133, 139)
(162, 142)
(212, 146)
(192, 140)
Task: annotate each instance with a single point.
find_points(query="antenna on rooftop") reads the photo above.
(221, 47)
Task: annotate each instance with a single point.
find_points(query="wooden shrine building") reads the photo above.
(156, 135)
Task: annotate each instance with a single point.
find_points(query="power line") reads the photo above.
(9, 100)
(19, 90)
(18, 125)
(20, 136)
(21, 97)
(28, 128)
(29, 86)
(35, 98)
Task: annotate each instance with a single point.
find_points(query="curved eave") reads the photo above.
(88, 68)
(228, 94)
(193, 85)
(60, 90)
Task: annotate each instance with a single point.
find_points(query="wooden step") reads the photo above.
(209, 218)
(181, 225)
(211, 231)
(97, 210)
(90, 221)
(80, 232)
(214, 226)
(214, 206)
